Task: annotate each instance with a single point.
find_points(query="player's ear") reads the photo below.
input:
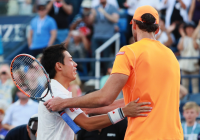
(157, 30)
(58, 66)
(134, 25)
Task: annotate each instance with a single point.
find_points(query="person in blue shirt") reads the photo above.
(43, 31)
(191, 128)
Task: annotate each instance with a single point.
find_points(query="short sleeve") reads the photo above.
(53, 25)
(71, 112)
(7, 119)
(114, 10)
(121, 64)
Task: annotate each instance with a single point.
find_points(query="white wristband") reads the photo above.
(116, 115)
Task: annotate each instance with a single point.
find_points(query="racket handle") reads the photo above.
(69, 121)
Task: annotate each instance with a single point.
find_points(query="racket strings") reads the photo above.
(29, 76)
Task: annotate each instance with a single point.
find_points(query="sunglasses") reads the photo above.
(41, 9)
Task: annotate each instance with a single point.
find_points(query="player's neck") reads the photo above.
(190, 123)
(141, 34)
(63, 81)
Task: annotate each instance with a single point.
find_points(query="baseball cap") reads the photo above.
(33, 123)
(86, 4)
(144, 10)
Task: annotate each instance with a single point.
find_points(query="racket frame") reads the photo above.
(47, 76)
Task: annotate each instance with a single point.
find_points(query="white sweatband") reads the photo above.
(116, 115)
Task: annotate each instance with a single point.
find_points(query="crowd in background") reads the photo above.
(84, 25)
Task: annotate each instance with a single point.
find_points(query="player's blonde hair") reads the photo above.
(191, 105)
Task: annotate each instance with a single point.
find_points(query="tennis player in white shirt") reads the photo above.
(62, 70)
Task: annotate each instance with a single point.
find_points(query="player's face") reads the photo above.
(190, 115)
(69, 67)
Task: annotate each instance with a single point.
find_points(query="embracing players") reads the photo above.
(146, 69)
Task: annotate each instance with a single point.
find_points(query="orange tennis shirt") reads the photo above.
(154, 76)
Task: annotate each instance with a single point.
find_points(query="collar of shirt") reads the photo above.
(57, 85)
(28, 103)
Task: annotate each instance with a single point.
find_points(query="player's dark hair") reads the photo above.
(51, 56)
(148, 23)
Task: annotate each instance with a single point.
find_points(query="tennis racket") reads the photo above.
(31, 78)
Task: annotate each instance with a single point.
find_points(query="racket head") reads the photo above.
(29, 76)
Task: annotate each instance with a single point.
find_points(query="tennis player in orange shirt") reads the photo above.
(147, 70)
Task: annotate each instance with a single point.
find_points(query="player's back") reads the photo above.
(155, 77)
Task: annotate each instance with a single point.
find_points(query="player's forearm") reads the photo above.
(97, 98)
(103, 110)
(95, 122)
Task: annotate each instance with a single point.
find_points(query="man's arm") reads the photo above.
(53, 37)
(30, 38)
(100, 98)
(191, 11)
(85, 41)
(67, 40)
(49, 6)
(103, 110)
(92, 16)
(67, 8)
(101, 121)
(112, 18)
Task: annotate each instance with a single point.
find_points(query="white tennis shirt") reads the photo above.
(50, 124)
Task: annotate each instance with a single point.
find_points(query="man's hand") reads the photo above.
(101, 10)
(134, 109)
(55, 104)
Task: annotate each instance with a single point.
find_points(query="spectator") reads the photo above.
(77, 45)
(25, 7)
(198, 137)
(3, 131)
(104, 17)
(74, 87)
(176, 11)
(19, 112)
(194, 13)
(113, 132)
(105, 78)
(13, 7)
(60, 11)
(183, 92)
(43, 31)
(188, 47)
(1, 49)
(6, 84)
(163, 36)
(191, 128)
(81, 22)
(114, 3)
(26, 131)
